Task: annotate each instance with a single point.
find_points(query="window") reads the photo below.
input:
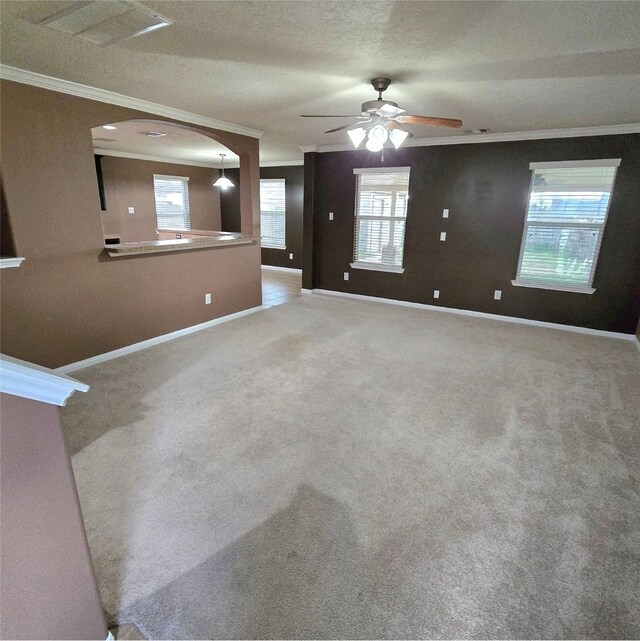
(382, 196)
(272, 213)
(172, 202)
(567, 212)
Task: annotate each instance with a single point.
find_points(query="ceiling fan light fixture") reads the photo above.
(378, 134)
(357, 136)
(397, 137)
(223, 182)
(381, 119)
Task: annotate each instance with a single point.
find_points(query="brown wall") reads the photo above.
(294, 192)
(69, 301)
(485, 187)
(47, 582)
(7, 247)
(129, 182)
(230, 203)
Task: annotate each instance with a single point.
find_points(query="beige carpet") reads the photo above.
(332, 468)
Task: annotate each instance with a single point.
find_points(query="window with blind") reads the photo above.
(382, 196)
(172, 201)
(272, 213)
(566, 215)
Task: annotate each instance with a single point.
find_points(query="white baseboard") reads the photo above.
(290, 270)
(468, 312)
(637, 343)
(136, 347)
(306, 291)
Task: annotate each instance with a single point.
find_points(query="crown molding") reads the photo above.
(102, 95)
(171, 161)
(575, 132)
(27, 380)
(191, 163)
(282, 163)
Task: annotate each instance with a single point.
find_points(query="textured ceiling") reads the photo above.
(506, 66)
(178, 144)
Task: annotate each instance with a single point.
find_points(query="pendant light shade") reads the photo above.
(398, 136)
(223, 182)
(378, 134)
(357, 136)
(374, 145)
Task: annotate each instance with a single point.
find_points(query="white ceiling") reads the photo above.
(180, 144)
(506, 66)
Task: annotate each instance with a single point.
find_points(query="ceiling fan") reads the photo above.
(382, 120)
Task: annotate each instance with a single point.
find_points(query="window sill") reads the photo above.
(273, 247)
(376, 267)
(577, 289)
(10, 262)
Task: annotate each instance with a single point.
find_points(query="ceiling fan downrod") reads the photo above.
(380, 85)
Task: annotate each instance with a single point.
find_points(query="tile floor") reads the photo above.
(279, 287)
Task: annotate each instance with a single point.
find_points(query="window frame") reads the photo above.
(586, 288)
(282, 181)
(186, 205)
(371, 266)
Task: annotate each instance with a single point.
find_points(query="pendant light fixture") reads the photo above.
(223, 182)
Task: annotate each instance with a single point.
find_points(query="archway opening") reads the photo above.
(157, 181)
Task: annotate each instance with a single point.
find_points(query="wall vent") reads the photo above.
(104, 23)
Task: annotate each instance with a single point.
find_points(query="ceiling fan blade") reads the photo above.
(430, 120)
(343, 116)
(330, 131)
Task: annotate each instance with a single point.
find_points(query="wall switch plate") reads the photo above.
(132, 210)
(445, 213)
(207, 299)
(436, 293)
(497, 294)
(443, 235)
(346, 275)
(290, 256)
(330, 215)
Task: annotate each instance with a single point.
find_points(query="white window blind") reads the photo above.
(172, 201)
(272, 213)
(567, 212)
(382, 196)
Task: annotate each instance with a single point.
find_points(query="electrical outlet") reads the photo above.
(132, 210)
(330, 215)
(207, 299)
(290, 256)
(497, 294)
(436, 293)
(443, 235)
(445, 213)
(346, 275)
